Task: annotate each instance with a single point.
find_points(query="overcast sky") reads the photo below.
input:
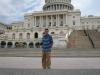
(14, 10)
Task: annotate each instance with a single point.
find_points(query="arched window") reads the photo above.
(31, 45)
(3, 44)
(36, 35)
(9, 44)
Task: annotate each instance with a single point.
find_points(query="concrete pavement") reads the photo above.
(60, 66)
(57, 63)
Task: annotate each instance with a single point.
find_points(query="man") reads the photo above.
(47, 43)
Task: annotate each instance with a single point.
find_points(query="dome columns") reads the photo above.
(57, 7)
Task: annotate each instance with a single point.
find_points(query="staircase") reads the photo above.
(95, 37)
(78, 39)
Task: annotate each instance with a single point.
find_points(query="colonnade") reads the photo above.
(58, 20)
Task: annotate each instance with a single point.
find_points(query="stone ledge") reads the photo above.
(49, 72)
(55, 53)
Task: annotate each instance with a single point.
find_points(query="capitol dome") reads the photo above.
(57, 5)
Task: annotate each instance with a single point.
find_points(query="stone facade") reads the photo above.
(2, 27)
(90, 22)
(59, 16)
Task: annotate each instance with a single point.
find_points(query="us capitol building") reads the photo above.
(59, 16)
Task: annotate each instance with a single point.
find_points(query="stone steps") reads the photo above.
(78, 40)
(95, 36)
(55, 53)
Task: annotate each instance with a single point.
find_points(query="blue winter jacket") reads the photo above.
(47, 43)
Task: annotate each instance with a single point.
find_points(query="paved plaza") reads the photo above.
(64, 61)
(65, 66)
(57, 63)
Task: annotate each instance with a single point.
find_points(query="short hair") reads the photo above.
(46, 29)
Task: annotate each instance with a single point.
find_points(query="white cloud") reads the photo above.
(11, 10)
(83, 5)
(87, 7)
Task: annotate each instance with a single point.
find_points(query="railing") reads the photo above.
(89, 36)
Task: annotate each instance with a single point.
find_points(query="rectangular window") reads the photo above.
(73, 22)
(49, 23)
(37, 26)
(61, 24)
(54, 24)
(28, 25)
(73, 16)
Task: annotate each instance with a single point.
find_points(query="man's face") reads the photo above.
(46, 31)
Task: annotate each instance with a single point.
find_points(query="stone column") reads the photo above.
(64, 16)
(66, 19)
(40, 21)
(50, 8)
(46, 21)
(63, 6)
(0, 44)
(32, 21)
(35, 20)
(59, 7)
(53, 7)
(27, 46)
(51, 21)
(56, 20)
(13, 46)
(47, 8)
(56, 6)
(6, 44)
(63, 21)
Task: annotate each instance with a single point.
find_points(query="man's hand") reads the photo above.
(51, 45)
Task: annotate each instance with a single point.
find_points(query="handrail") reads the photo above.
(87, 34)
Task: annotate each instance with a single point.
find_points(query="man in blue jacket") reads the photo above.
(47, 43)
